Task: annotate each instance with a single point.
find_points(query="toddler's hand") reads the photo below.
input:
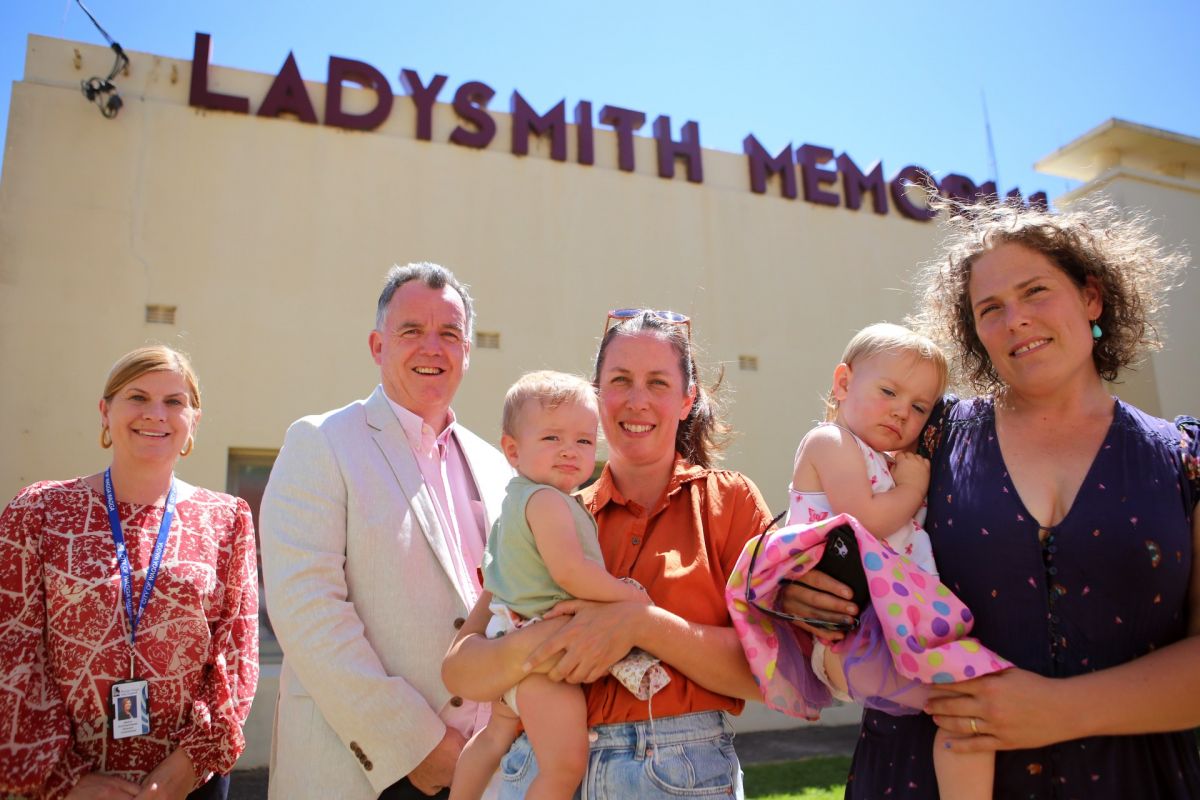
(911, 469)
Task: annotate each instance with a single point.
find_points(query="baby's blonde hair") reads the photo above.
(551, 389)
(884, 337)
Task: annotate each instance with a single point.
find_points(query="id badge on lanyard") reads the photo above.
(131, 698)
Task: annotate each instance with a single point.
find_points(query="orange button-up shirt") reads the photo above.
(682, 551)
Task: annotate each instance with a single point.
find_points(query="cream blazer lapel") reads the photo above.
(391, 440)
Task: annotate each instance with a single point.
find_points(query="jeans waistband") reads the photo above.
(663, 731)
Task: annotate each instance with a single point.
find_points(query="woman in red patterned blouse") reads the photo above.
(65, 633)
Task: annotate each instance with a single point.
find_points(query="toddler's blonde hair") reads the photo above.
(550, 389)
(884, 337)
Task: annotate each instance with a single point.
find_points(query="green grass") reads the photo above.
(808, 779)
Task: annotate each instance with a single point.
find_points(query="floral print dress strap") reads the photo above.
(1189, 456)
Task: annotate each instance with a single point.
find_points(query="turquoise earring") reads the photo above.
(1096, 332)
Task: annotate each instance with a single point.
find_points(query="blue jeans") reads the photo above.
(690, 755)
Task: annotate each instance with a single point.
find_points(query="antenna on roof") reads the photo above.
(991, 145)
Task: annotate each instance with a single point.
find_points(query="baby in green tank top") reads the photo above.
(542, 549)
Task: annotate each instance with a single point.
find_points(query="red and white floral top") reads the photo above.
(64, 636)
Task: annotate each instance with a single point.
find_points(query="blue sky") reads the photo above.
(901, 82)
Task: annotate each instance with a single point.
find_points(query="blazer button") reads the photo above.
(459, 622)
(367, 765)
(456, 701)
(355, 748)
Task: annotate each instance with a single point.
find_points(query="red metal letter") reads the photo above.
(288, 95)
(585, 137)
(200, 95)
(345, 69)
(470, 103)
(625, 121)
(899, 184)
(525, 121)
(762, 166)
(688, 148)
(854, 183)
(423, 98)
(809, 156)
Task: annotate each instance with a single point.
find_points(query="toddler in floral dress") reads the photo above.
(858, 494)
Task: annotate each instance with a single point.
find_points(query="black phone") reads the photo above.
(843, 562)
(829, 625)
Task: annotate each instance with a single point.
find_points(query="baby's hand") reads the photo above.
(911, 469)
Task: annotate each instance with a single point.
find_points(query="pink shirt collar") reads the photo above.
(418, 430)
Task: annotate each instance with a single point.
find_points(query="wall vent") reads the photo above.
(489, 340)
(748, 363)
(162, 315)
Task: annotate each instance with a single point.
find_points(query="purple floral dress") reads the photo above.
(1108, 585)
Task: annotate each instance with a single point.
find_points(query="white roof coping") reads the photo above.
(1122, 145)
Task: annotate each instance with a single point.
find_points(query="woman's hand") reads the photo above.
(172, 779)
(95, 786)
(597, 636)
(482, 669)
(818, 596)
(1011, 710)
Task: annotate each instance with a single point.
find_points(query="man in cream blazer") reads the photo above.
(366, 579)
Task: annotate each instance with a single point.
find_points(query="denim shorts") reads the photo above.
(690, 755)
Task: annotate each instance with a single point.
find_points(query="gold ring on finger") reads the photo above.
(974, 727)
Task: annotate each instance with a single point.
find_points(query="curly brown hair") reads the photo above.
(1091, 240)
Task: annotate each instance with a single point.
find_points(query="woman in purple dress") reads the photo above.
(1064, 518)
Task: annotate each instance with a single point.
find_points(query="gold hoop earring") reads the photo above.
(191, 442)
(105, 438)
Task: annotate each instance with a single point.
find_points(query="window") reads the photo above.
(246, 477)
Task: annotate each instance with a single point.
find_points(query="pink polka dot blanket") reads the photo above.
(912, 634)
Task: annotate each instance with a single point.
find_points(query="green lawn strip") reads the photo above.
(822, 778)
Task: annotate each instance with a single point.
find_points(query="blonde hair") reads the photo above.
(884, 337)
(550, 389)
(153, 358)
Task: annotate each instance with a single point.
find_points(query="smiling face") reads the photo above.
(554, 445)
(422, 349)
(1032, 319)
(150, 418)
(643, 398)
(886, 398)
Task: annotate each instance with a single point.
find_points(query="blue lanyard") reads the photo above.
(114, 522)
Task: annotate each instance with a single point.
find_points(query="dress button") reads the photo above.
(1053, 570)
(456, 701)
(459, 622)
(637, 540)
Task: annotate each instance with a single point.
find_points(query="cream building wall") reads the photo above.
(272, 236)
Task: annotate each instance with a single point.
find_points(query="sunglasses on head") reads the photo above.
(669, 317)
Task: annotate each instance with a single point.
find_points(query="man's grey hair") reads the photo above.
(434, 276)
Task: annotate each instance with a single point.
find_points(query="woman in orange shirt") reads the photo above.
(675, 524)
